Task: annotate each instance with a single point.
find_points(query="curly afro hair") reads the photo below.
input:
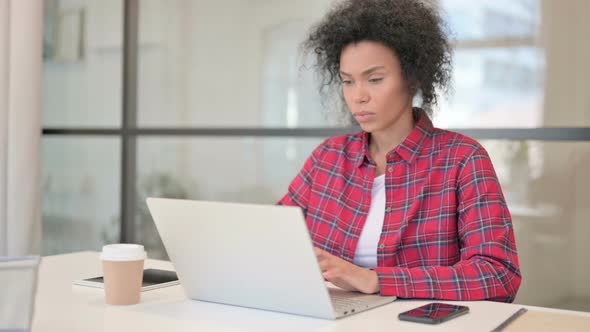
(413, 29)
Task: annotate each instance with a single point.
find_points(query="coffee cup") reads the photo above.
(122, 266)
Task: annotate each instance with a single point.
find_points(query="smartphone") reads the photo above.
(434, 313)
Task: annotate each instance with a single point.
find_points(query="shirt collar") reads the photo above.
(410, 147)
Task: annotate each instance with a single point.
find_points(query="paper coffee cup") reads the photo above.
(122, 266)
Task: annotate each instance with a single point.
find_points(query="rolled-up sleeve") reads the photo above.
(488, 268)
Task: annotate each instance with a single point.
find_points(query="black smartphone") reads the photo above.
(152, 279)
(434, 313)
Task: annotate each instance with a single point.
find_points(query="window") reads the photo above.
(214, 105)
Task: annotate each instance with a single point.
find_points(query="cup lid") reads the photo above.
(123, 252)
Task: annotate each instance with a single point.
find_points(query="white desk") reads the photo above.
(62, 307)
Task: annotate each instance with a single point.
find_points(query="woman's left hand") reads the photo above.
(347, 275)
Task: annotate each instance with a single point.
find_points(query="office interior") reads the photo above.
(213, 100)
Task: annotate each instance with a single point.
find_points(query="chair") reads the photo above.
(18, 284)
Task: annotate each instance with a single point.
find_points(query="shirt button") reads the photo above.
(388, 209)
(390, 169)
(382, 246)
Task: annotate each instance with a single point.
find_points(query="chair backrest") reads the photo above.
(18, 285)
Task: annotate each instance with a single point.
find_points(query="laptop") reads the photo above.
(18, 280)
(255, 256)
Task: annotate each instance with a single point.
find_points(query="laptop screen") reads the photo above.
(18, 284)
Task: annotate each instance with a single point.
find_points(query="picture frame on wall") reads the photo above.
(70, 36)
(64, 35)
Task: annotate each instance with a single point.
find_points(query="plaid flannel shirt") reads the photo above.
(447, 232)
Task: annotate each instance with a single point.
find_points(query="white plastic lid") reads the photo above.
(123, 252)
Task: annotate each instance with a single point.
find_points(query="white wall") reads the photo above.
(567, 103)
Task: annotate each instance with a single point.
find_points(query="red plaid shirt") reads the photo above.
(447, 232)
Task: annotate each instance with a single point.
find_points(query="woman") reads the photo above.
(401, 208)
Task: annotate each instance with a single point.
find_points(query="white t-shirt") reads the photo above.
(366, 249)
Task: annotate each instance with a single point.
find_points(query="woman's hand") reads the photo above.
(347, 275)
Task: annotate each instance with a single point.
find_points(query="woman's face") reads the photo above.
(373, 85)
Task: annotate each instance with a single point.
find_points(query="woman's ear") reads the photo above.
(413, 88)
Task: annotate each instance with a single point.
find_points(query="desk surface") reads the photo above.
(62, 306)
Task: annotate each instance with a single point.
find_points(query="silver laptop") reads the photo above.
(255, 256)
(17, 301)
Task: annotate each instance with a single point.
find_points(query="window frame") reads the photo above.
(129, 132)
